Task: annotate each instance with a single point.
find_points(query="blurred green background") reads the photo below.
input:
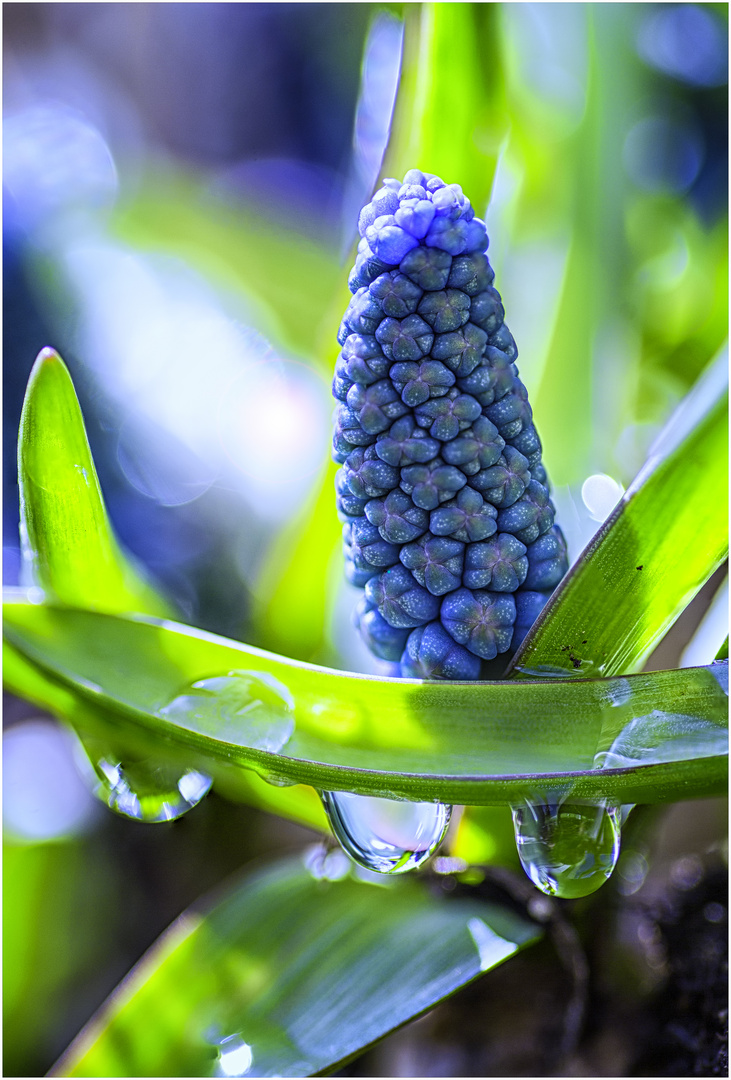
(181, 187)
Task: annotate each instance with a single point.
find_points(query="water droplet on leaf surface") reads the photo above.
(247, 708)
(567, 849)
(663, 736)
(147, 790)
(278, 781)
(386, 835)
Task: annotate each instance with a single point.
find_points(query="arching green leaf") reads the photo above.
(164, 689)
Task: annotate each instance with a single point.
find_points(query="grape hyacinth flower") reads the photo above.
(447, 521)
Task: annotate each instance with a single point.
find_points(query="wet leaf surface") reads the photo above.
(159, 688)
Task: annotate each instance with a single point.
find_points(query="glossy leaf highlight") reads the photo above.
(219, 705)
(287, 975)
(663, 541)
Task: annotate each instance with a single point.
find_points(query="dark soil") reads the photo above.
(689, 1016)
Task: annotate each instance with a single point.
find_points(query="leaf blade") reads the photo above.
(450, 116)
(663, 541)
(484, 743)
(306, 973)
(65, 532)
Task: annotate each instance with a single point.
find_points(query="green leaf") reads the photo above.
(593, 172)
(77, 558)
(27, 680)
(450, 114)
(65, 532)
(662, 542)
(58, 912)
(286, 975)
(295, 583)
(219, 705)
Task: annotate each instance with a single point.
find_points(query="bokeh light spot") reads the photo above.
(600, 494)
(44, 797)
(54, 158)
(686, 42)
(274, 422)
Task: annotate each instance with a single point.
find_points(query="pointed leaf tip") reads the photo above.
(47, 358)
(48, 364)
(48, 353)
(68, 544)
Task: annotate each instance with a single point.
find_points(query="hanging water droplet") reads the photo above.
(386, 835)
(567, 849)
(276, 780)
(145, 789)
(247, 708)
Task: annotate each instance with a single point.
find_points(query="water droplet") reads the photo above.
(144, 789)
(263, 1049)
(567, 849)
(662, 736)
(276, 780)
(247, 708)
(618, 692)
(600, 494)
(386, 835)
(235, 1056)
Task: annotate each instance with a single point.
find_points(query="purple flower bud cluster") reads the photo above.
(448, 525)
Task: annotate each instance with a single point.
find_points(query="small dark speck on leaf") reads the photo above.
(640, 567)
(575, 660)
(584, 641)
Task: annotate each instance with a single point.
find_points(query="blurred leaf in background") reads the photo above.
(292, 971)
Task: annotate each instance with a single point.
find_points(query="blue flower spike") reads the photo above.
(448, 525)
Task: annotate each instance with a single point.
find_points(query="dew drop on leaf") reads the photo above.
(567, 849)
(386, 835)
(147, 790)
(276, 780)
(663, 736)
(246, 708)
